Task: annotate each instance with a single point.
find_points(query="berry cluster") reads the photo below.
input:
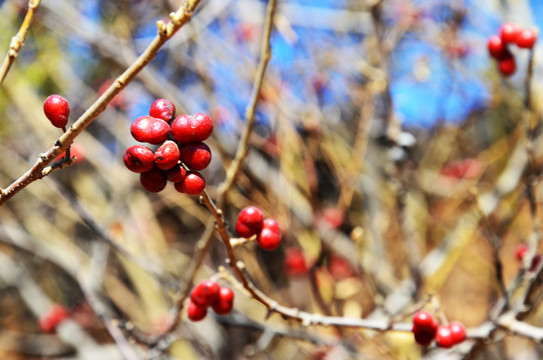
(498, 46)
(181, 151)
(426, 329)
(209, 293)
(251, 222)
(55, 315)
(57, 110)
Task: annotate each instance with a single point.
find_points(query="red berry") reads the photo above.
(507, 65)
(153, 180)
(526, 39)
(205, 293)
(520, 251)
(339, 268)
(270, 235)
(162, 109)
(295, 262)
(444, 337)
(424, 320)
(509, 32)
(496, 47)
(176, 174)
(225, 301)
(458, 331)
(57, 110)
(193, 184)
(167, 155)
(423, 338)
(195, 312)
(55, 315)
(192, 128)
(150, 129)
(139, 158)
(196, 156)
(249, 221)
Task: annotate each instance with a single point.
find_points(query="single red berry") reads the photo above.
(509, 32)
(167, 155)
(193, 184)
(339, 268)
(205, 293)
(57, 110)
(250, 220)
(153, 180)
(269, 237)
(295, 262)
(496, 47)
(139, 158)
(520, 251)
(225, 301)
(191, 128)
(424, 320)
(458, 331)
(150, 129)
(535, 262)
(195, 312)
(196, 156)
(162, 109)
(444, 337)
(507, 65)
(526, 39)
(55, 315)
(423, 338)
(176, 174)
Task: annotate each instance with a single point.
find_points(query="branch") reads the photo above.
(165, 32)
(18, 40)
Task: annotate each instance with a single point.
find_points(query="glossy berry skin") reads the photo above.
(496, 47)
(176, 174)
(162, 109)
(526, 39)
(57, 110)
(507, 65)
(444, 337)
(139, 159)
(153, 180)
(205, 293)
(193, 184)
(424, 327)
(55, 315)
(195, 312)
(509, 32)
(270, 235)
(458, 331)
(167, 155)
(225, 301)
(192, 128)
(250, 220)
(196, 156)
(150, 129)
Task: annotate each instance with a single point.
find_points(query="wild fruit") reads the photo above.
(196, 156)
(195, 312)
(509, 32)
(496, 47)
(191, 128)
(167, 155)
(444, 337)
(205, 293)
(424, 327)
(225, 301)
(162, 109)
(57, 110)
(193, 184)
(269, 237)
(526, 39)
(54, 316)
(176, 174)
(153, 180)
(249, 222)
(150, 129)
(139, 159)
(458, 331)
(507, 65)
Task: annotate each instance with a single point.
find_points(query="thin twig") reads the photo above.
(18, 40)
(165, 32)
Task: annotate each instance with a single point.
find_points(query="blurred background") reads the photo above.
(402, 167)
